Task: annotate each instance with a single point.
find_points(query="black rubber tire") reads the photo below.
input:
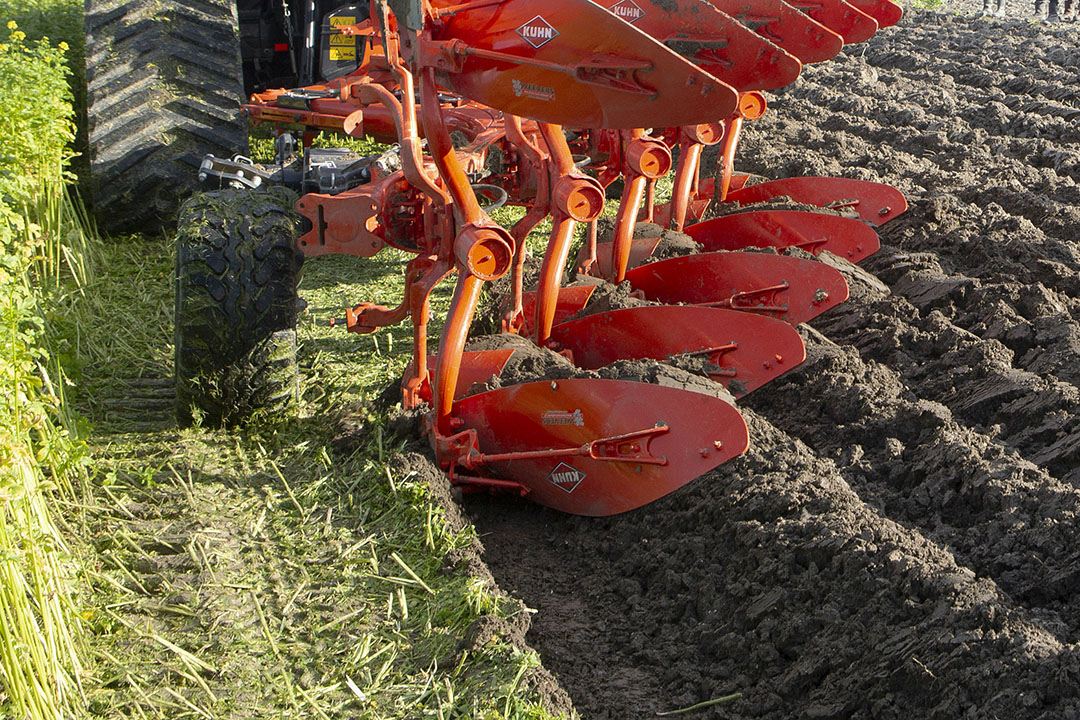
(237, 270)
(164, 86)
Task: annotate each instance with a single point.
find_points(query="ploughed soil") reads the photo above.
(902, 539)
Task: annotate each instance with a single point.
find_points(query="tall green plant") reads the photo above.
(36, 128)
(39, 457)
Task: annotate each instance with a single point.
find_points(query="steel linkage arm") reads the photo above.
(481, 251)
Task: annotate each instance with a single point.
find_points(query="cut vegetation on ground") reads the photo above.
(301, 569)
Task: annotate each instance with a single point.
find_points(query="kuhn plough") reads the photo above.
(545, 104)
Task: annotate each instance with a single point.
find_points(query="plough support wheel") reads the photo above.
(747, 350)
(849, 238)
(676, 436)
(786, 288)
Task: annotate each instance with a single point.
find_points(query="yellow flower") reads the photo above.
(12, 25)
(63, 46)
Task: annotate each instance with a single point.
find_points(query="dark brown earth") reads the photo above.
(902, 540)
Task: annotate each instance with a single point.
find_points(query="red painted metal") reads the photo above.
(886, 12)
(786, 288)
(593, 447)
(477, 366)
(726, 166)
(849, 238)
(713, 40)
(571, 300)
(575, 198)
(779, 23)
(532, 169)
(738, 181)
(841, 17)
(597, 447)
(747, 350)
(358, 221)
(636, 176)
(692, 141)
(570, 62)
(876, 203)
(703, 197)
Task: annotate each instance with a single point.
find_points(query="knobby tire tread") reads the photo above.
(237, 271)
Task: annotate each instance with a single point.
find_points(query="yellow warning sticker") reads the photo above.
(343, 40)
(343, 20)
(341, 53)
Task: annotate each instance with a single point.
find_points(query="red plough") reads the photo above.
(507, 75)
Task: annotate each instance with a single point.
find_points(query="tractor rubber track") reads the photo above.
(164, 88)
(901, 539)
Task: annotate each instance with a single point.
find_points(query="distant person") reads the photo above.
(1047, 10)
(994, 8)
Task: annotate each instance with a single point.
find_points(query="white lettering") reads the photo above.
(545, 33)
